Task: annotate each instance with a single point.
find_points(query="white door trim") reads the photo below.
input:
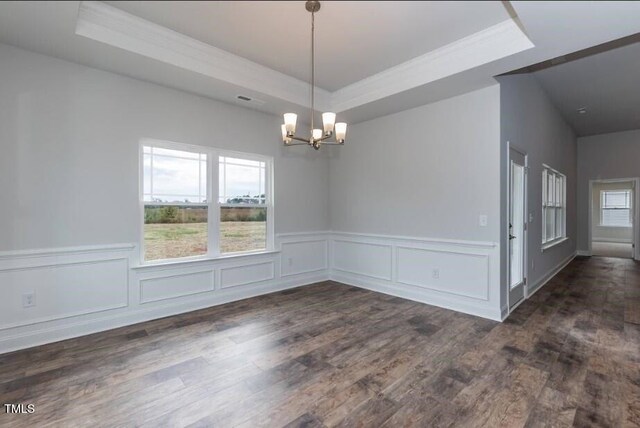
(510, 147)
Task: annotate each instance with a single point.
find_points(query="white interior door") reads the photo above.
(517, 226)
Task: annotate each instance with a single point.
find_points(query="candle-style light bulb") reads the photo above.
(285, 138)
(328, 120)
(341, 132)
(290, 120)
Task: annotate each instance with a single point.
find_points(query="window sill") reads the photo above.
(552, 244)
(616, 227)
(200, 260)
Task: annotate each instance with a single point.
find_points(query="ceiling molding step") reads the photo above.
(115, 27)
(491, 44)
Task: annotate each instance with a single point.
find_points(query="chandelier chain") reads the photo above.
(313, 80)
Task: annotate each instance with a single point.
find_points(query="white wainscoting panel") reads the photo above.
(84, 290)
(176, 285)
(464, 274)
(62, 290)
(467, 278)
(304, 256)
(246, 274)
(362, 258)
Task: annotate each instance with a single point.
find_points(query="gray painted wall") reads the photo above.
(608, 233)
(530, 122)
(606, 156)
(425, 172)
(69, 139)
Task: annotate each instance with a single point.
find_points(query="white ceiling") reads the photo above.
(390, 55)
(354, 39)
(606, 84)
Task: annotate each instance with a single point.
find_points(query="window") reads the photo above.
(243, 204)
(554, 187)
(195, 207)
(615, 207)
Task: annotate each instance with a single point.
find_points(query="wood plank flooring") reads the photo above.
(334, 355)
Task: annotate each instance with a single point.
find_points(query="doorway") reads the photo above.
(612, 218)
(517, 226)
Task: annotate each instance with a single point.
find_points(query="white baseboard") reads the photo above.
(408, 293)
(553, 272)
(458, 275)
(612, 240)
(96, 324)
(86, 290)
(467, 280)
(583, 253)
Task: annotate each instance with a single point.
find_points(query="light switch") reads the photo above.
(483, 220)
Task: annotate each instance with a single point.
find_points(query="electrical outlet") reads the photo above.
(28, 300)
(483, 220)
(435, 274)
(290, 261)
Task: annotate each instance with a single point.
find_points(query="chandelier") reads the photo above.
(317, 137)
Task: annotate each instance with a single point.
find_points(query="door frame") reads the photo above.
(525, 272)
(634, 207)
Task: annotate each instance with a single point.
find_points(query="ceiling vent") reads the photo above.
(248, 100)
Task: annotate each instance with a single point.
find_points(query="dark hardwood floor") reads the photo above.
(333, 355)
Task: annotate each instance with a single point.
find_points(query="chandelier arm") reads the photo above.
(305, 140)
(326, 137)
(296, 144)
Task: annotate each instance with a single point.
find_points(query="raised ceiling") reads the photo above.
(354, 39)
(374, 58)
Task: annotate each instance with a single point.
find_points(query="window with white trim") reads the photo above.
(615, 208)
(554, 188)
(243, 204)
(199, 202)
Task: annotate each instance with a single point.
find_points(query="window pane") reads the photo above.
(203, 177)
(173, 231)
(176, 153)
(242, 183)
(558, 222)
(243, 229)
(550, 223)
(238, 161)
(174, 176)
(616, 217)
(617, 199)
(147, 174)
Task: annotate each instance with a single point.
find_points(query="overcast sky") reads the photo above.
(176, 179)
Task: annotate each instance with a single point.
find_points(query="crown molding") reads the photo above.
(485, 46)
(115, 27)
